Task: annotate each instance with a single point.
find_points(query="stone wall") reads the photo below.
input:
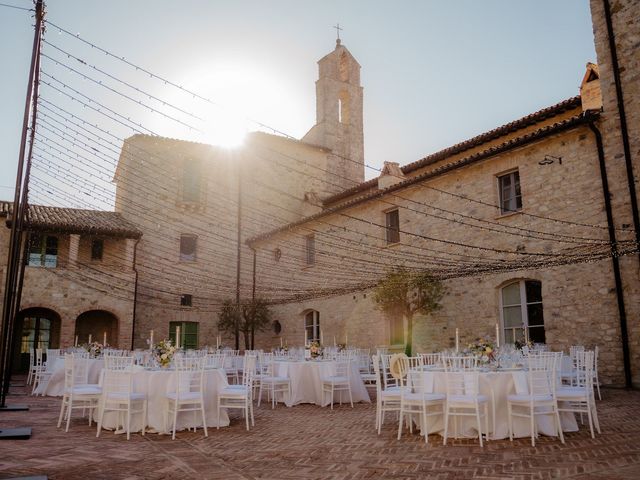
(579, 300)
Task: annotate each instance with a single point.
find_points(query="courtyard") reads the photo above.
(310, 442)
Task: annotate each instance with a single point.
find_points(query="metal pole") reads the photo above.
(239, 251)
(15, 238)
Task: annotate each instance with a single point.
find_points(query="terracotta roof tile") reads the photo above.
(531, 119)
(74, 220)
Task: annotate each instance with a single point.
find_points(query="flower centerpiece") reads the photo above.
(341, 347)
(94, 348)
(483, 349)
(163, 353)
(315, 349)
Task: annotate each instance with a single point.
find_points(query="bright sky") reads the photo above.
(434, 72)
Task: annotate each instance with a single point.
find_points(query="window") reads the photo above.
(310, 244)
(188, 248)
(186, 300)
(43, 251)
(510, 196)
(312, 326)
(97, 248)
(396, 330)
(191, 181)
(393, 226)
(188, 334)
(522, 308)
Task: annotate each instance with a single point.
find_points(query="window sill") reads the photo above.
(391, 245)
(308, 267)
(508, 214)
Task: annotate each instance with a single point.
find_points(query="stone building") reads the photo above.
(66, 247)
(519, 222)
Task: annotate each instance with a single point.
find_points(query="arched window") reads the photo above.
(312, 326)
(521, 311)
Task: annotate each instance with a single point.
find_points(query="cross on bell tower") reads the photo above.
(338, 29)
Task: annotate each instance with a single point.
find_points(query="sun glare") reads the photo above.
(238, 95)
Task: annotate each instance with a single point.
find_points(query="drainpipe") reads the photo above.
(253, 293)
(135, 293)
(624, 335)
(623, 122)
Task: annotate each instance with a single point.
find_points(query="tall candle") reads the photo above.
(526, 334)
(104, 338)
(281, 343)
(89, 338)
(178, 337)
(217, 342)
(346, 339)
(457, 339)
(76, 344)
(151, 339)
(321, 338)
(498, 335)
(306, 336)
(334, 341)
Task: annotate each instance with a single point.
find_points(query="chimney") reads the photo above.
(590, 94)
(390, 175)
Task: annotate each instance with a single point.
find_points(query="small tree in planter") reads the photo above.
(248, 318)
(406, 293)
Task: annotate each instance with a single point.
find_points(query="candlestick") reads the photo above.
(178, 337)
(457, 340)
(497, 335)
(89, 338)
(76, 344)
(104, 338)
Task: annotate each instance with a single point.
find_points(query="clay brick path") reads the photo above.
(309, 442)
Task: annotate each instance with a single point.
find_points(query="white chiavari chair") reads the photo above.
(580, 398)
(341, 381)
(39, 368)
(188, 395)
(240, 396)
(77, 392)
(417, 399)
(596, 380)
(118, 395)
(463, 395)
(272, 383)
(540, 398)
(431, 359)
(387, 400)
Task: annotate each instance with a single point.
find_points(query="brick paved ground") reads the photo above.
(309, 442)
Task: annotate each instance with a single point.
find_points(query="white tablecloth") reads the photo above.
(495, 385)
(155, 384)
(55, 386)
(306, 382)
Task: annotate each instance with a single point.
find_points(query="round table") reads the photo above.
(155, 384)
(496, 385)
(306, 381)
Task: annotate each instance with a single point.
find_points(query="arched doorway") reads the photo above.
(96, 323)
(35, 328)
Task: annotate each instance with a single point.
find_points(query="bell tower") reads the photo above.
(339, 117)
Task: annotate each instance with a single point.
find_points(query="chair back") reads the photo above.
(387, 378)
(461, 374)
(114, 352)
(249, 370)
(38, 357)
(585, 361)
(403, 367)
(76, 371)
(189, 375)
(214, 360)
(343, 368)
(375, 360)
(118, 375)
(541, 373)
(431, 359)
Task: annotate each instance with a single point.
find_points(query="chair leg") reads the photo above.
(129, 420)
(559, 425)
(204, 419)
(446, 425)
(486, 421)
(590, 417)
(61, 411)
(595, 415)
(350, 397)
(510, 421)
(69, 407)
(532, 421)
(598, 387)
(101, 409)
(479, 424)
(246, 414)
(175, 420)
(400, 422)
(144, 415)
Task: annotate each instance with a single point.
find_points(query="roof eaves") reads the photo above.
(473, 142)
